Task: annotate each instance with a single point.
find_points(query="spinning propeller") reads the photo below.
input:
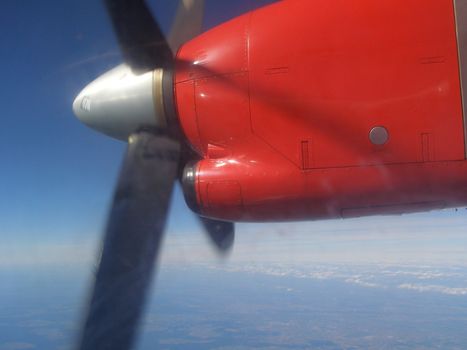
(134, 102)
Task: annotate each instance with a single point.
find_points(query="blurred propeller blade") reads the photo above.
(221, 233)
(142, 42)
(187, 24)
(131, 243)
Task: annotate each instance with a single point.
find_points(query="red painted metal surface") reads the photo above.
(280, 103)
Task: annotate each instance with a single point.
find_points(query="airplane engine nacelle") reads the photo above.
(245, 190)
(326, 108)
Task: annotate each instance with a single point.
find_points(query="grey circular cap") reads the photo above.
(379, 135)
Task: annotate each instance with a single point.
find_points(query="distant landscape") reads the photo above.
(254, 306)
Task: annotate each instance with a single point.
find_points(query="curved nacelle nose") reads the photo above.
(120, 102)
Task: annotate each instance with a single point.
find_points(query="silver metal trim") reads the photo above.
(460, 12)
(158, 96)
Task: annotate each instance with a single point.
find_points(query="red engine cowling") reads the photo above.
(323, 109)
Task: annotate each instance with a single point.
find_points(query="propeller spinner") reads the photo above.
(127, 103)
(120, 102)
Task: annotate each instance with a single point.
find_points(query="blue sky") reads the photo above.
(57, 176)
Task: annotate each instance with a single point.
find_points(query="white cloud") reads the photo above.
(421, 274)
(434, 288)
(363, 283)
(318, 272)
(367, 276)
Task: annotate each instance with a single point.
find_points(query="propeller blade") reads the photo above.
(187, 24)
(142, 42)
(221, 233)
(131, 243)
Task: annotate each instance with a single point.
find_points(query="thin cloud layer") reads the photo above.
(434, 288)
(449, 281)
